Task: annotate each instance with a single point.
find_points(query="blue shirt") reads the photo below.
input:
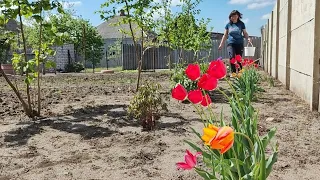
(235, 32)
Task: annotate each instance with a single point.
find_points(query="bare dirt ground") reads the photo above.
(86, 133)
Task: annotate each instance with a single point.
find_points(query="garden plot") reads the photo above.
(86, 133)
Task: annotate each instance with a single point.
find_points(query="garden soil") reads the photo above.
(85, 132)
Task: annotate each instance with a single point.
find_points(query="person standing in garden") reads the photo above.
(235, 32)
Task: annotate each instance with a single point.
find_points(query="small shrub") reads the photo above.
(147, 105)
(270, 81)
(74, 67)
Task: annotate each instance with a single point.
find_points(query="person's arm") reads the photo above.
(245, 33)
(224, 38)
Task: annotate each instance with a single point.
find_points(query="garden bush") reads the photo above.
(74, 67)
(147, 105)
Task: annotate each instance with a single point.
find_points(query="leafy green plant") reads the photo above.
(247, 83)
(147, 105)
(233, 150)
(74, 67)
(270, 80)
(22, 9)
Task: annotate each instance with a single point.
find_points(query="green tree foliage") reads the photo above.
(139, 17)
(21, 10)
(182, 31)
(72, 29)
(94, 47)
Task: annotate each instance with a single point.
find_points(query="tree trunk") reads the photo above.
(134, 40)
(15, 90)
(140, 62)
(43, 69)
(25, 58)
(84, 47)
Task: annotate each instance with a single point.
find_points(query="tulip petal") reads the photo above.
(193, 71)
(214, 144)
(226, 140)
(190, 158)
(210, 132)
(195, 96)
(223, 132)
(238, 58)
(217, 69)
(208, 82)
(233, 61)
(179, 93)
(226, 148)
(206, 138)
(211, 126)
(206, 101)
(183, 165)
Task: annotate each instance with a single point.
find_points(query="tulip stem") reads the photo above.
(237, 163)
(224, 94)
(247, 137)
(236, 96)
(199, 112)
(209, 106)
(222, 168)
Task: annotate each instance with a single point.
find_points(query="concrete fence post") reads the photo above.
(270, 23)
(267, 46)
(316, 60)
(287, 82)
(277, 39)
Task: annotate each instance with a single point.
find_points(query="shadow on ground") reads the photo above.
(86, 123)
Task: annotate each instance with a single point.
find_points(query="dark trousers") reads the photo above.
(233, 50)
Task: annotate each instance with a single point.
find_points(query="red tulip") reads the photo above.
(256, 65)
(208, 82)
(179, 93)
(244, 63)
(217, 69)
(193, 71)
(237, 66)
(206, 101)
(233, 61)
(238, 58)
(195, 96)
(190, 161)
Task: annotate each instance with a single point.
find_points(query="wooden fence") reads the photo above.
(159, 58)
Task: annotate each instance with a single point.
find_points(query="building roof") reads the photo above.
(12, 25)
(108, 29)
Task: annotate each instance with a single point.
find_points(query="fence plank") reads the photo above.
(161, 55)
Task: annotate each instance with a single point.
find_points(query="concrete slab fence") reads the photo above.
(291, 47)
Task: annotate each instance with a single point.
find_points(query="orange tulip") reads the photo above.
(209, 133)
(221, 138)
